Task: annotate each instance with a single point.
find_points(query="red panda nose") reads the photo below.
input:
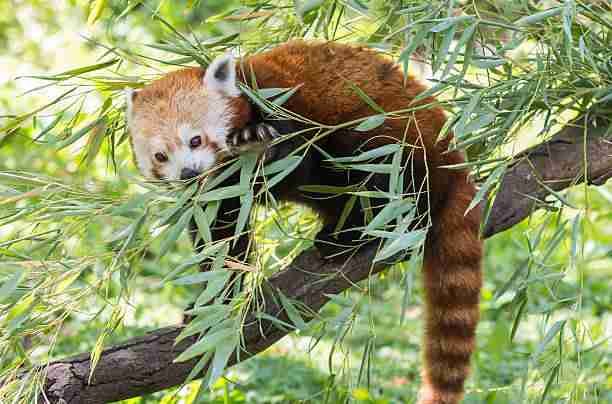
(188, 173)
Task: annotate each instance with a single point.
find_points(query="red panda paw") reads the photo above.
(251, 137)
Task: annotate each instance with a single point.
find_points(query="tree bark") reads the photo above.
(144, 365)
(553, 165)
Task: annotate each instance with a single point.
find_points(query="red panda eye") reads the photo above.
(195, 141)
(161, 157)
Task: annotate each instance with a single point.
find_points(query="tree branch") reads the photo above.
(144, 365)
(553, 165)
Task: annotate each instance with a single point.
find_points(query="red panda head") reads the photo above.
(180, 122)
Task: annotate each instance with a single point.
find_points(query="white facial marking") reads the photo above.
(213, 128)
(186, 133)
(142, 155)
(129, 93)
(198, 159)
(212, 123)
(220, 85)
(216, 120)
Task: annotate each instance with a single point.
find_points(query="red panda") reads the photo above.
(182, 122)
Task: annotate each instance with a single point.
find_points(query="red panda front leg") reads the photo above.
(239, 141)
(251, 137)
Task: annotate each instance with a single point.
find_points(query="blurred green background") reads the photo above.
(554, 267)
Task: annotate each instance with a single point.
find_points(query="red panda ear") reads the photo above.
(130, 96)
(220, 76)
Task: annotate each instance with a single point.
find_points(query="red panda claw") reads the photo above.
(272, 131)
(246, 134)
(263, 132)
(235, 139)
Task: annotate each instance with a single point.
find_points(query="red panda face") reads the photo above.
(179, 123)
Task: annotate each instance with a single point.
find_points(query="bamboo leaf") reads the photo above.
(96, 10)
(346, 211)
(216, 285)
(575, 238)
(444, 48)
(484, 189)
(246, 202)
(340, 300)
(476, 124)
(372, 122)
(450, 22)
(134, 229)
(280, 165)
(205, 344)
(466, 36)
(49, 127)
(550, 334)
(95, 141)
(15, 122)
(223, 352)
(79, 134)
(537, 17)
(202, 223)
(368, 155)
(211, 250)
(227, 172)
(396, 179)
(392, 210)
(366, 98)
(293, 314)
(488, 62)
(293, 164)
(214, 315)
(175, 231)
(522, 298)
(65, 75)
(551, 378)
(373, 168)
(283, 98)
(197, 369)
(172, 212)
(200, 277)
(303, 7)
(402, 242)
(283, 325)
(511, 281)
(230, 191)
(257, 99)
(268, 93)
(415, 42)
(10, 285)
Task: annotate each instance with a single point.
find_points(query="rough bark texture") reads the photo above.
(145, 365)
(556, 164)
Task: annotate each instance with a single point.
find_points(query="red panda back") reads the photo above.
(452, 268)
(326, 71)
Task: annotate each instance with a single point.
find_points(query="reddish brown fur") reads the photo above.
(243, 112)
(452, 270)
(176, 97)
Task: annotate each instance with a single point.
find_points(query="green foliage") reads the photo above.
(91, 254)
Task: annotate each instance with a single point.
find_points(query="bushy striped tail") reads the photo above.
(452, 282)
